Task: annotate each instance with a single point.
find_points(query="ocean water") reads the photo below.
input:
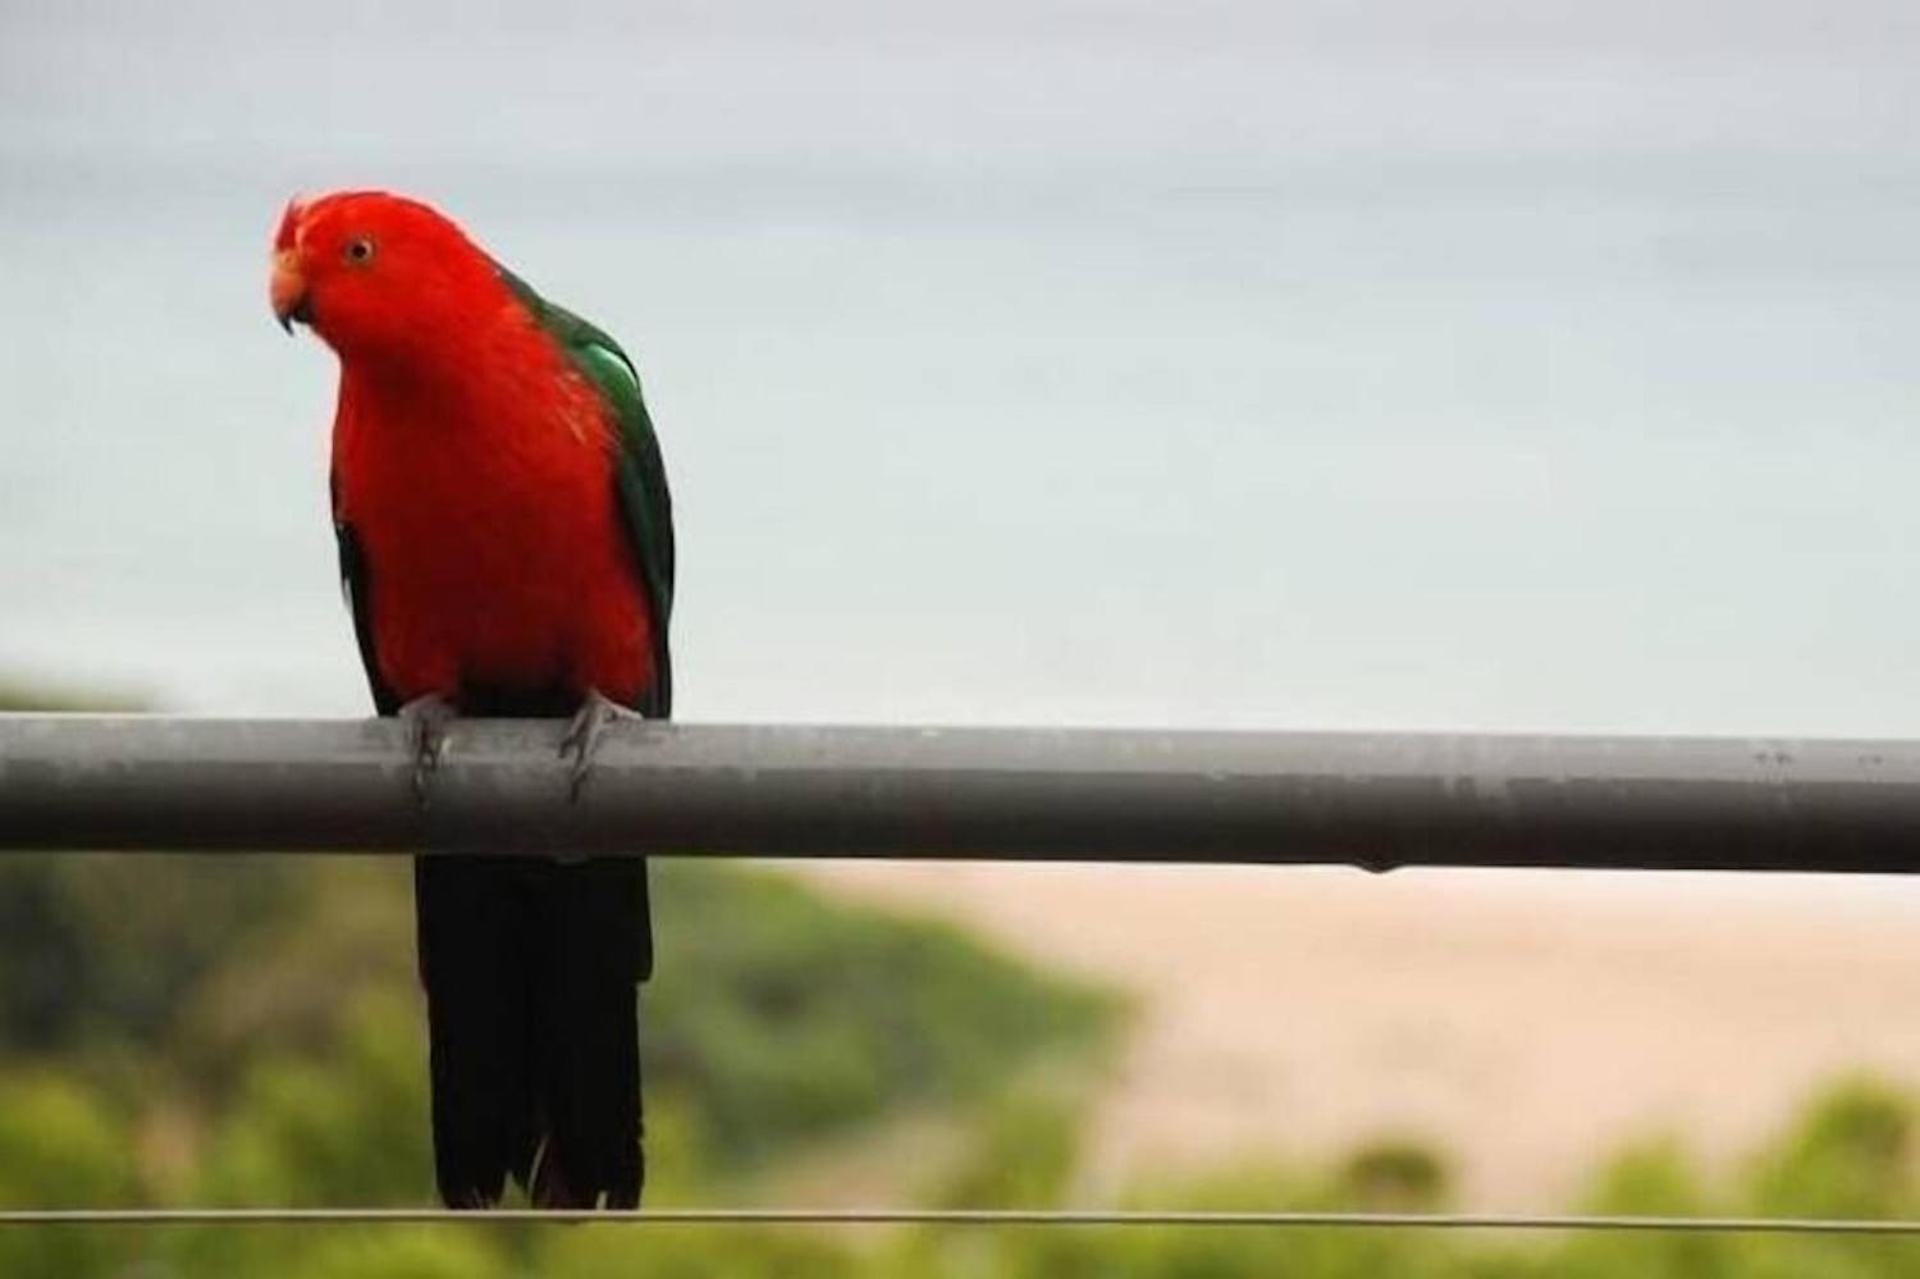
(1510, 371)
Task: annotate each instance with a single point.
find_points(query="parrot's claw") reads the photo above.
(584, 734)
(427, 719)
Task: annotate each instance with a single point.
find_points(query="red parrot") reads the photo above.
(506, 542)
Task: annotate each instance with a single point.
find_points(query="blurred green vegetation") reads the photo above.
(199, 1030)
(180, 1029)
(267, 1010)
(37, 695)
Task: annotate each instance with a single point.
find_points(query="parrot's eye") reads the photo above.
(360, 250)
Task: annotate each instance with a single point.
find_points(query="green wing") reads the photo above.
(640, 476)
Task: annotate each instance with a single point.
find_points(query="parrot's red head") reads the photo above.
(377, 274)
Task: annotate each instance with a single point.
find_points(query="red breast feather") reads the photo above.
(475, 466)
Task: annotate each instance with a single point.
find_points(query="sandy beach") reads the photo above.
(1525, 1021)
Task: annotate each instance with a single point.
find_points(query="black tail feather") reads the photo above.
(587, 1040)
(530, 967)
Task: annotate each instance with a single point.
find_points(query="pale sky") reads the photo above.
(1528, 365)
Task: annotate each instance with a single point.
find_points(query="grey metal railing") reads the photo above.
(1372, 800)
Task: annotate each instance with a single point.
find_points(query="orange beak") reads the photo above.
(287, 290)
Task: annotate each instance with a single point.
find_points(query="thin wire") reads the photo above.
(949, 1217)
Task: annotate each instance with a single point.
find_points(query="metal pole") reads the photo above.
(1372, 800)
